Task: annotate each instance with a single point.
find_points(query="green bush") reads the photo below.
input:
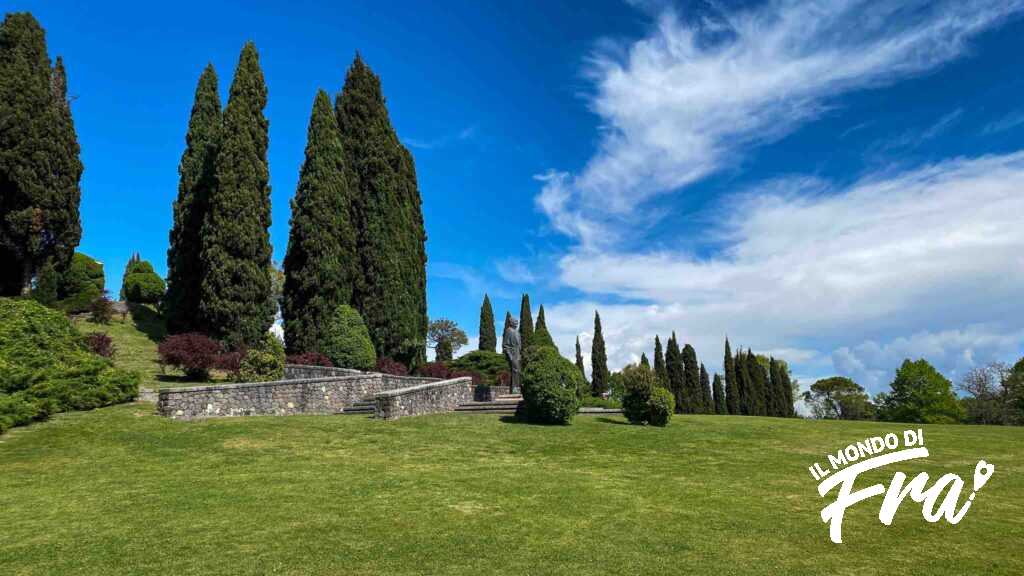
(45, 367)
(596, 402)
(143, 287)
(643, 401)
(661, 406)
(489, 365)
(80, 284)
(263, 363)
(550, 387)
(347, 341)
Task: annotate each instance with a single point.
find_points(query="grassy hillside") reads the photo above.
(119, 491)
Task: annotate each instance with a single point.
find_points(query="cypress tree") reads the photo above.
(488, 338)
(773, 397)
(644, 361)
(40, 166)
(718, 391)
(743, 382)
(320, 264)
(659, 364)
(598, 360)
(197, 178)
(236, 302)
(390, 292)
(706, 400)
(758, 385)
(541, 336)
(674, 372)
(525, 321)
(692, 394)
(732, 391)
(787, 391)
(579, 359)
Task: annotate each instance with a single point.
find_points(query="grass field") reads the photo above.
(121, 491)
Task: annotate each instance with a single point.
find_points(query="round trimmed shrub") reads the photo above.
(643, 401)
(550, 385)
(143, 288)
(263, 363)
(661, 406)
(347, 341)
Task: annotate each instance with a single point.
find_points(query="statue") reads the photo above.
(510, 345)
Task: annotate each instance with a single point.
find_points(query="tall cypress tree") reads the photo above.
(674, 372)
(541, 336)
(758, 385)
(488, 338)
(320, 264)
(644, 361)
(718, 392)
(732, 390)
(706, 400)
(40, 166)
(390, 292)
(525, 321)
(743, 382)
(774, 400)
(237, 302)
(598, 360)
(197, 178)
(659, 363)
(787, 391)
(692, 395)
(579, 359)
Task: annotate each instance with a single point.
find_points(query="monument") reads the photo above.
(511, 346)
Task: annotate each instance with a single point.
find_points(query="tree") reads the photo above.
(40, 166)
(743, 384)
(197, 179)
(644, 361)
(508, 323)
(390, 291)
(598, 360)
(707, 402)
(674, 372)
(445, 338)
(82, 282)
(320, 263)
(525, 321)
(988, 394)
(919, 393)
(488, 338)
(659, 363)
(732, 391)
(47, 284)
(541, 336)
(1015, 392)
(140, 283)
(839, 398)
(718, 392)
(236, 303)
(758, 385)
(347, 341)
(579, 359)
(692, 395)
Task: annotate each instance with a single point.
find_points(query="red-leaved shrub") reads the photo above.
(193, 353)
(433, 370)
(393, 367)
(475, 376)
(100, 343)
(230, 360)
(310, 359)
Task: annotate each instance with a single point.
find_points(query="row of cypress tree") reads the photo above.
(40, 168)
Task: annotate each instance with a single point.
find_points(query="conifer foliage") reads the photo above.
(488, 337)
(320, 264)
(718, 391)
(693, 403)
(732, 391)
(579, 359)
(598, 360)
(40, 166)
(236, 297)
(674, 372)
(525, 322)
(659, 364)
(707, 402)
(197, 180)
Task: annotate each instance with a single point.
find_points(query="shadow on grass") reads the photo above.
(148, 321)
(607, 420)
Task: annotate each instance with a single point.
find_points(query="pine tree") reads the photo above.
(525, 321)
(390, 292)
(40, 166)
(718, 391)
(644, 361)
(674, 372)
(488, 338)
(732, 391)
(706, 400)
(320, 264)
(236, 301)
(743, 382)
(758, 385)
(659, 364)
(692, 394)
(541, 336)
(197, 179)
(598, 360)
(579, 359)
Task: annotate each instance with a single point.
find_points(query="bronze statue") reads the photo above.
(511, 345)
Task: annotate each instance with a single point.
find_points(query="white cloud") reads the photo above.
(685, 101)
(515, 270)
(1005, 123)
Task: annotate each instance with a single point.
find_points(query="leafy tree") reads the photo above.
(236, 303)
(644, 401)
(675, 373)
(347, 341)
(40, 167)
(525, 322)
(445, 338)
(320, 264)
(197, 179)
(839, 398)
(644, 361)
(659, 364)
(391, 289)
(919, 394)
(707, 402)
(718, 392)
(692, 395)
(1015, 392)
(579, 359)
(488, 338)
(598, 360)
(732, 390)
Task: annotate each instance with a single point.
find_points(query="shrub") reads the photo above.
(45, 367)
(433, 370)
(192, 353)
(597, 402)
(476, 377)
(347, 341)
(143, 288)
(388, 366)
(489, 365)
(101, 310)
(80, 284)
(230, 360)
(643, 401)
(550, 385)
(262, 363)
(100, 343)
(310, 359)
(661, 406)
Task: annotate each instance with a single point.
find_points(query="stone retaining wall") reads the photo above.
(300, 371)
(427, 398)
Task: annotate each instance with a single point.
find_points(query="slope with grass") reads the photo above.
(119, 490)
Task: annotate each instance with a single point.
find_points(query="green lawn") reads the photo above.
(121, 491)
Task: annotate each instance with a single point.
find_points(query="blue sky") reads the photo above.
(838, 183)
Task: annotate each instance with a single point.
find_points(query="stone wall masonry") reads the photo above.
(299, 371)
(426, 398)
